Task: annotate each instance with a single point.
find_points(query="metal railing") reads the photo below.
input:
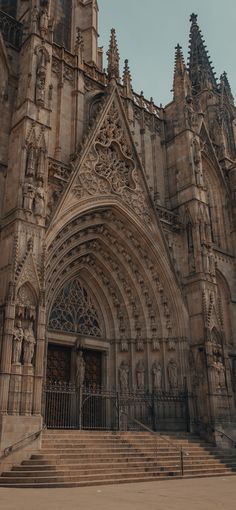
(25, 441)
(72, 407)
(182, 452)
(209, 430)
(11, 30)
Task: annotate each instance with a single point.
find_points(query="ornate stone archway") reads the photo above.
(138, 302)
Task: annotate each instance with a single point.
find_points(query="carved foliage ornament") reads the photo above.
(110, 167)
(74, 312)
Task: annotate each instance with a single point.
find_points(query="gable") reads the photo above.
(109, 167)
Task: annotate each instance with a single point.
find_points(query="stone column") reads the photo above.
(27, 390)
(14, 399)
(6, 354)
(39, 363)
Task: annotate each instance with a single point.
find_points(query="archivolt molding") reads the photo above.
(115, 241)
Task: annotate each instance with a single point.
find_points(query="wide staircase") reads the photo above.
(80, 458)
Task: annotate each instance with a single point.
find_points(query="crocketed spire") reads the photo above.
(127, 80)
(181, 83)
(225, 84)
(200, 67)
(113, 70)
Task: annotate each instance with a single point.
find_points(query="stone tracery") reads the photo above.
(74, 312)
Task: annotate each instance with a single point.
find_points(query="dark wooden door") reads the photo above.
(93, 369)
(58, 363)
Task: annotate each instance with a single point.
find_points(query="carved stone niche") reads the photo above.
(26, 304)
(24, 334)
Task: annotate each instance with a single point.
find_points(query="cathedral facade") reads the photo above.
(117, 225)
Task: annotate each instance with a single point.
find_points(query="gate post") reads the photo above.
(80, 406)
(118, 410)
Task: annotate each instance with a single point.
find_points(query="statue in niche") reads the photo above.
(43, 22)
(29, 345)
(39, 201)
(197, 161)
(80, 369)
(189, 112)
(157, 376)
(205, 259)
(124, 377)
(31, 163)
(18, 335)
(40, 87)
(140, 375)
(28, 196)
(172, 374)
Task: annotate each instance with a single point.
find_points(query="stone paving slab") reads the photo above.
(193, 494)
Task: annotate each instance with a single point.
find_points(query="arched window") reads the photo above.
(73, 311)
(61, 12)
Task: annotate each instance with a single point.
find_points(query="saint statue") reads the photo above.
(140, 375)
(172, 374)
(157, 376)
(80, 369)
(29, 345)
(18, 335)
(124, 377)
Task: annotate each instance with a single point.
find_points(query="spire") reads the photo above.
(113, 70)
(226, 86)
(179, 61)
(181, 84)
(200, 67)
(127, 80)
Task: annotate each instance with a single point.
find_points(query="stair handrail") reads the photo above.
(213, 429)
(20, 444)
(163, 438)
(222, 433)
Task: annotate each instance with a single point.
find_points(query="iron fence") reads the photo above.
(69, 407)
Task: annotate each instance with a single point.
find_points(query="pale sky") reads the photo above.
(148, 31)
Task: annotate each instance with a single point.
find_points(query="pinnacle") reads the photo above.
(200, 66)
(179, 60)
(127, 80)
(113, 57)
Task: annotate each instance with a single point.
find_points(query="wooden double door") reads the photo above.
(67, 406)
(60, 366)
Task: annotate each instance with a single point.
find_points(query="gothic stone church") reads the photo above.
(117, 232)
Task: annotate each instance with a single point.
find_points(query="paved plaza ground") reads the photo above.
(192, 494)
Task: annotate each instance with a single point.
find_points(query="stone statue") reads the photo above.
(189, 112)
(140, 375)
(18, 335)
(43, 22)
(197, 161)
(205, 259)
(29, 345)
(28, 196)
(157, 376)
(40, 87)
(124, 377)
(31, 163)
(172, 374)
(39, 201)
(80, 369)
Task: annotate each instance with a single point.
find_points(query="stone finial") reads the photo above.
(193, 18)
(127, 80)
(113, 70)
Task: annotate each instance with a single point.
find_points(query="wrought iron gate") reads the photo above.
(70, 407)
